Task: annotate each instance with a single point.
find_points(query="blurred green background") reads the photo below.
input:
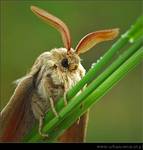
(118, 117)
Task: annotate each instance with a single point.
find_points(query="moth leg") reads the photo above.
(82, 90)
(81, 106)
(39, 114)
(65, 99)
(37, 109)
(78, 120)
(40, 127)
(53, 107)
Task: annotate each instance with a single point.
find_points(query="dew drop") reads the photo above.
(98, 60)
(93, 64)
(131, 40)
(125, 35)
(101, 57)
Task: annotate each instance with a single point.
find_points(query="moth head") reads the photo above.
(64, 60)
(85, 44)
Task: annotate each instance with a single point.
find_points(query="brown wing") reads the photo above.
(77, 132)
(17, 117)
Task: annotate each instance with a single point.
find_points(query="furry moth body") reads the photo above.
(51, 76)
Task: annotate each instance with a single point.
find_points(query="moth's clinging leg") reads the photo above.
(39, 114)
(40, 127)
(53, 107)
(81, 106)
(65, 98)
(39, 107)
(65, 92)
(78, 120)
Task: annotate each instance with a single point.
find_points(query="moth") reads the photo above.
(51, 76)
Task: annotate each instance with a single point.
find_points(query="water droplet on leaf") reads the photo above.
(131, 40)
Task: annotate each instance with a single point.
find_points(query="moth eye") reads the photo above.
(65, 63)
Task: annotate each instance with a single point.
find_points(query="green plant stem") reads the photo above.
(135, 59)
(106, 58)
(91, 74)
(76, 101)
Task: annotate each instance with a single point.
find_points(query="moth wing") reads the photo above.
(77, 132)
(17, 117)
